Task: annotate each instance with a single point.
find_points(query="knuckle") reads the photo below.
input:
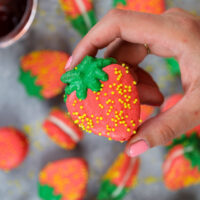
(189, 24)
(175, 10)
(166, 134)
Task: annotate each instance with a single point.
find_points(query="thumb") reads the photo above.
(166, 126)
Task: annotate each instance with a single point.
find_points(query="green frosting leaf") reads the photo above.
(107, 189)
(116, 2)
(193, 142)
(80, 24)
(47, 193)
(29, 82)
(173, 66)
(86, 75)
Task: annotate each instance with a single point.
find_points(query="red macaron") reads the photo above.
(64, 180)
(13, 148)
(62, 130)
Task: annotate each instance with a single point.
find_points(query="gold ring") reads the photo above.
(147, 48)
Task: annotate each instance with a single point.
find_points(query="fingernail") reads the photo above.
(67, 67)
(138, 148)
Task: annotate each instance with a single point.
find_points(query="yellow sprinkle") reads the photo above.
(76, 68)
(134, 83)
(123, 65)
(100, 134)
(97, 98)
(128, 129)
(101, 118)
(81, 107)
(134, 132)
(112, 92)
(109, 139)
(92, 116)
(140, 121)
(105, 94)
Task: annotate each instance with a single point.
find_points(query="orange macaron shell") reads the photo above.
(57, 134)
(13, 148)
(118, 170)
(114, 112)
(67, 177)
(146, 111)
(178, 172)
(171, 101)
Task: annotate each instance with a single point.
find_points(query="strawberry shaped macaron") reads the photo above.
(102, 98)
(182, 164)
(62, 130)
(41, 71)
(13, 148)
(149, 6)
(63, 180)
(80, 13)
(120, 178)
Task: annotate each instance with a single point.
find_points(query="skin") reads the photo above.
(175, 33)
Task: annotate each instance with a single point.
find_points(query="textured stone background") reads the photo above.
(50, 31)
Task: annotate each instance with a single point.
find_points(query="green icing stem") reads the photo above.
(86, 75)
(47, 193)
(193, 142)
(29, 82)
(116, 2)
(173, 66)
(80, 25)
(107, 189)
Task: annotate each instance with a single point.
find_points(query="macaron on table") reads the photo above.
(30, 115)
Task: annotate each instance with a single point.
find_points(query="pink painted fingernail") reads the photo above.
(138, 148)
(67, 67)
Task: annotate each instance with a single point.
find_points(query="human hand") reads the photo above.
(175, 33)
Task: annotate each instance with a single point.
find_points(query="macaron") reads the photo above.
(146, 111)
(120, 178)
(171, 101)
(13, 148)
(148, 6)
(102, 98)
(63, 180)
(80, 13)
(62, 130)
(40, 73)
(181, 167)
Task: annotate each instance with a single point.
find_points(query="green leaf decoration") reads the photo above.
(86, 75)
(116, 2)
(29, 82)
(80, 25)
(47, 193)
(193, 142)
(107, 189)
(173, 66)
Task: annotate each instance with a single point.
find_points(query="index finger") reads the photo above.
(130, 26)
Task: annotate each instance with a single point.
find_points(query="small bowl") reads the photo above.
(22, 27)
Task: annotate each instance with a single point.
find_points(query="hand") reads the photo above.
(175, 33)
